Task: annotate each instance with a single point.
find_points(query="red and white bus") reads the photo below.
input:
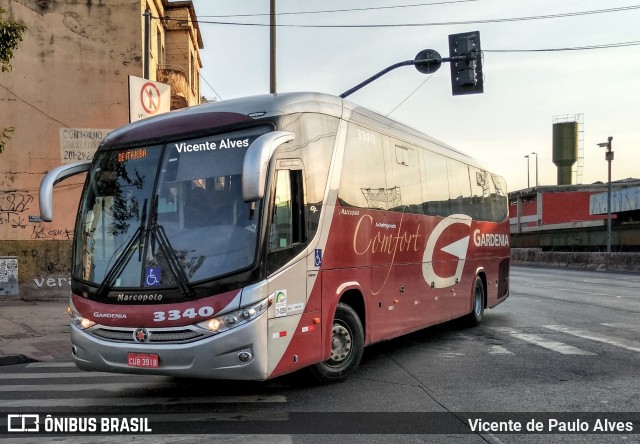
(250, 238)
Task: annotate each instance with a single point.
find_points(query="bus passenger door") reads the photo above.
(293, 340)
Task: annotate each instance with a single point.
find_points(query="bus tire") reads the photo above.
(347, 345)
(477, 304)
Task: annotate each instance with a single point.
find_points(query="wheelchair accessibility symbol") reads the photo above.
(152, 277)
(318, 257)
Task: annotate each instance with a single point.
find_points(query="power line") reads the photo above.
(574, 48)
(212, 89)
(409, 96)
(187, 58)
(406, 25)
(343, 10)
(35, 107)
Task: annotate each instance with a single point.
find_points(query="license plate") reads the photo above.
(145, 360)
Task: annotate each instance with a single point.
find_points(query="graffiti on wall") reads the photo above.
(41, 232)
(13, 205)
(42, 282)
(13, 213)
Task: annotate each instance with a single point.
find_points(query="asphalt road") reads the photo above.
(564, 342)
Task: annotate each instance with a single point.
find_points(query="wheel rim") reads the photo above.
(341, 344)
(477, 300)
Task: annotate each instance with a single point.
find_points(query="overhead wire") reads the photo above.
(34, 107)
(466, 22)
(187, 58)
(574, 48)
(448, 23)
(410, 94)
(328, 11)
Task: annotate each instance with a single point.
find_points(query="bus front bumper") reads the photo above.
(239, 353)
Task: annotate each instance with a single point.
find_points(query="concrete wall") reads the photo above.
(43, 269)
(68, 88)
(629, 262)
(69, 73)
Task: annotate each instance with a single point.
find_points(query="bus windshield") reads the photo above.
(167, 215)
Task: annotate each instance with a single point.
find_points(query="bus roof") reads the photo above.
(244, 110)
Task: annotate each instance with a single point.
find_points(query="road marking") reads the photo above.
(450, 354)
(563, 290)
(499, 350)
(623, 326)
(113, 387)
(549, 344)
(616, 342)
(72, 375)
(134, 402)
(50, 364)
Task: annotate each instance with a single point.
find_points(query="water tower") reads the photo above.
(568, 147)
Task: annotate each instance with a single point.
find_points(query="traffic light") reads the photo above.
(466, 63)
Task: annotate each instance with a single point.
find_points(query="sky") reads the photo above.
(523, 91)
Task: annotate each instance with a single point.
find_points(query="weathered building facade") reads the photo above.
(68, 88)
(574, 217)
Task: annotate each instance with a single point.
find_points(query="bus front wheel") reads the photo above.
(347, 345)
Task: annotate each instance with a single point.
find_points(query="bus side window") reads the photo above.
(287, 223)
(287, 234)
(281, 220)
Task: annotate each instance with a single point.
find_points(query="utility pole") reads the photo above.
(608, 157)
(536, 154)
(272, 50)
(147, 41)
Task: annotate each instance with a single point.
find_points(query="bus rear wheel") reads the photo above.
(477, 304)
(347, 345)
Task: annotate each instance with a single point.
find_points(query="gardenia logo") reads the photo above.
(490, 240)
(110, 315)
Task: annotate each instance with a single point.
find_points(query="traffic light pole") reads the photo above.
(465, 57)
(435, 62)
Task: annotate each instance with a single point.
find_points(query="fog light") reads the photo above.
(244, 356)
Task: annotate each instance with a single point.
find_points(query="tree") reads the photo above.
(10, 36)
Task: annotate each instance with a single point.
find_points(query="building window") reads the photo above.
(159, 48)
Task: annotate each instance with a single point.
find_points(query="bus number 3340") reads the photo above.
(174, 315)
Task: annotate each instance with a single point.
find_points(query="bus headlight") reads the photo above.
(234, 319)
(77, 319)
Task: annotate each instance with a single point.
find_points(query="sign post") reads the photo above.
(147, 98)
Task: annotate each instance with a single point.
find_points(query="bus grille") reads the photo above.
(156, 336)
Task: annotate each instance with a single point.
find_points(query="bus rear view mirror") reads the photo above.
(51, 179)
(256, 162)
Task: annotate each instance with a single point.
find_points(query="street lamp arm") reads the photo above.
(376, 76)
(432, 62)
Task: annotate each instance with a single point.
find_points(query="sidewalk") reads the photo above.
(33, 331)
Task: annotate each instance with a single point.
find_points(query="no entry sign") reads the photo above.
(147, 98)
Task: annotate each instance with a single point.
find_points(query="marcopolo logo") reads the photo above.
(457, 248)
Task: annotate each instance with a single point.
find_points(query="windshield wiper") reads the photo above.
(157, 231)
(122, 260)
